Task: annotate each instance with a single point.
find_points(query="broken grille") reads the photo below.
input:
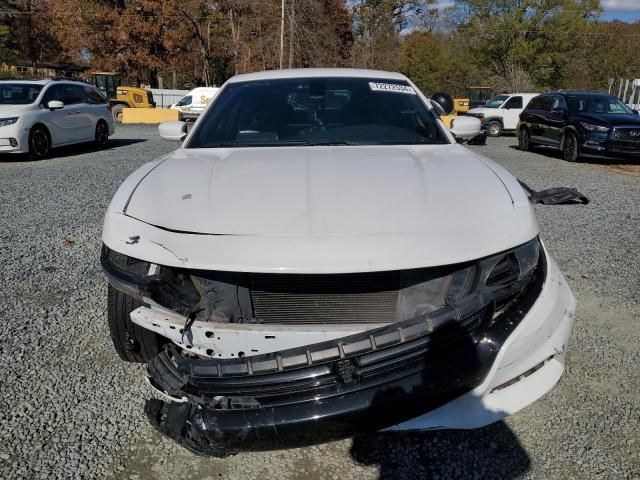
(314, 299)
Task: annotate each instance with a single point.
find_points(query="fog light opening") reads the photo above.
(524, 375)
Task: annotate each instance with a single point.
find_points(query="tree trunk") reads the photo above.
(291, 31)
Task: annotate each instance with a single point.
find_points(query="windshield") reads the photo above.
(184, 101)
(19, 93)
(317, 111)
(596, 104)
(496, 101)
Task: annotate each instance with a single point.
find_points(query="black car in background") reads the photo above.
(580, 124)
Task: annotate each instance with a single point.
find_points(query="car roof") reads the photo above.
(317, 73)
(578, 92)
(33, 82)
(48, 81)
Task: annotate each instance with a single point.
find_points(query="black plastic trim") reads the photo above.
(289, 399)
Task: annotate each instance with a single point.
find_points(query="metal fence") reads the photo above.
(165, 97)
(627, 90)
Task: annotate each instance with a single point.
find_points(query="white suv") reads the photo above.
(36, 115)
(502, 112)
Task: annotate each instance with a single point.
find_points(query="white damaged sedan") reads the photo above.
(320, 258)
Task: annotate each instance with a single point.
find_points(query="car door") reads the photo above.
(511, 112)
(533, 116)
(543, 104)
(82, 113)
(61, 123)
(98, 107)
(556, 121)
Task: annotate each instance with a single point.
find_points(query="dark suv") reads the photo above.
(580, 124)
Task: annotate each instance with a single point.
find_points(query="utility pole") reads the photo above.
(291, 31)
(282, 36)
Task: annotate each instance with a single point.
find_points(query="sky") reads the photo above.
(625, 10)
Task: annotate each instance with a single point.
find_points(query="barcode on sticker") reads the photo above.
(391, 87)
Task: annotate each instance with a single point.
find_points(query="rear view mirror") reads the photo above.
(174, 131)
(465, 128)
(55, 105)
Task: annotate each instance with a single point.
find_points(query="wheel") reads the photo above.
(133, 343)
(524, 140)
(570, 150)
(494, 129)
(116, 111)
(102, 134)
(39, 143)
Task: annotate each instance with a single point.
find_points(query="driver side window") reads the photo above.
(54, 92)
(559, 104)
(513, 102)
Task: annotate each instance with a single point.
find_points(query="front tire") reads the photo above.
(116, 111)
(494, 129)
(102, 134)
(570, 151)
(524, 140)
(39, 143)
(132, 342)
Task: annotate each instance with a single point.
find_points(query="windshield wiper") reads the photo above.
(329, 142)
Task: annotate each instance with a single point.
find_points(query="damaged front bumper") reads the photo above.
(460, 367)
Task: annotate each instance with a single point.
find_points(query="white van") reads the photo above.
(502, 112)
(193, 103)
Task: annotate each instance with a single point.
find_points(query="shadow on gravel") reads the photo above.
(74, 150)
(487, 453)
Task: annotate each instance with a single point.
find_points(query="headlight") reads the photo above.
(509, 272)
(171, 288)
(8, 121)
(594, 128)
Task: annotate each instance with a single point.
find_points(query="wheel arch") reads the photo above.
(500, 120)
(124, 103)
(568, 129)
(46, 128)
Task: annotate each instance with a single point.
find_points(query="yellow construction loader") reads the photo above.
(108, 83)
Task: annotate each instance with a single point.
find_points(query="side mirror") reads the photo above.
(444, 101)
(174, 131)
(465, 128)
(55, 105)
(635, 112)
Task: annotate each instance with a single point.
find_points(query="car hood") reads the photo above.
(608, 120)
(11, 110)
(483, 110)
(319, 191)
(318, 209)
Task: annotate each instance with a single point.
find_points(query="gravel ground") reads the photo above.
(69, 408)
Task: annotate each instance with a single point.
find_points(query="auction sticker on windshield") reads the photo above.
(391, 87)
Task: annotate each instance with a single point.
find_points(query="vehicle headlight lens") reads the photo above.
(507, 273)
(8, 121)
(124, 264)
(171, 288)
(594, 128)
